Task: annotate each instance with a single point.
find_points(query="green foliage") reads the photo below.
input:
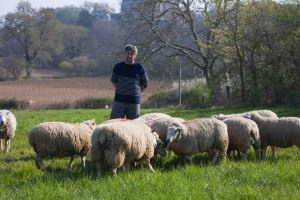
(81, 65)
(13, 66)
(268, 179)
(93, 103)
(9, 103)
(36, 31)
(200, 95)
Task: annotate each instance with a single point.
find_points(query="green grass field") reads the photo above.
(277, 178)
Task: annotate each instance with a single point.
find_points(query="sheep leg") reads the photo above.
(191, 159)
(245, 155)
(257, 154)
(263, 153)
(83, 161)
(1, 144)
(152, 160)
(214, 158)
(98, 168)
(229, 152)
(233, 153)
(223, 155)
(149, 166)
(127, 166)
(71, 161)
(238, 154)
(39, 162)
(273, 151)
(210, 154)
(7, 145)
(114, 171)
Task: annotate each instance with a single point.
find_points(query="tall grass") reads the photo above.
(277, 178)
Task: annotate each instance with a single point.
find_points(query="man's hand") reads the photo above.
(115, 84)
(142, 88)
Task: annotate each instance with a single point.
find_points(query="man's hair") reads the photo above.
(130, 47)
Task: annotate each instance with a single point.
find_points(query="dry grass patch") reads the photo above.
(50, 91)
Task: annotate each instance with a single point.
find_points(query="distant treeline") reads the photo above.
(246, 52)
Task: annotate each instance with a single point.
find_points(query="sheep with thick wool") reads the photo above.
(282, 132)
(197, 136)
(60, 139)
(161, 131)
(264, 113)
(160, 126)
(242, 134)
(8, 125)
(152, 116)
(119, 143)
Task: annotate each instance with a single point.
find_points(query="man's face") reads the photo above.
(130, 56)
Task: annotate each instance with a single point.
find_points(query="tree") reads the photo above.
(35, 30)
(81, 65)
(91, 12)
(67, 15)
(182, 26)
(74, 40)
(14, 66)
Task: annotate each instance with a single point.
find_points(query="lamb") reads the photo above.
(60, 139)
(242, 134)
(282, 132)
(200, 135)
(119, 143)
(8, 125)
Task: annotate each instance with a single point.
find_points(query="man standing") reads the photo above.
(130, 79)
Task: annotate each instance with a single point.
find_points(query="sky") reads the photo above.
(10, 5)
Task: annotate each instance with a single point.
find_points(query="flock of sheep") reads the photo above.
(119, 142)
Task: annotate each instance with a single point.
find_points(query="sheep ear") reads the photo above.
(178, 134)
(153, 130)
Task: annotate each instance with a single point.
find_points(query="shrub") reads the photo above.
(200, 95)
(9, 103)
(58, 106)
(94, 102)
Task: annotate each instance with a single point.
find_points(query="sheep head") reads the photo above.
(160, 148)
(173, 132)
(3, 118)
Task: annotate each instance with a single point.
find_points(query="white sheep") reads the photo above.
(162, 129)
(264, 113)
(117, 144)
(60, 139)
(242, 134)
(152, 116)
(8, 125)
(160, 126)
(282, 132)
(197, 136)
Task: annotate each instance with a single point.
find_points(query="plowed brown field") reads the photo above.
(50, 91)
